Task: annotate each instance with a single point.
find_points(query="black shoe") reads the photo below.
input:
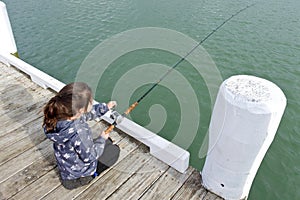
(100, 168)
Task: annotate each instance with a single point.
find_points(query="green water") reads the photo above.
(56, 36)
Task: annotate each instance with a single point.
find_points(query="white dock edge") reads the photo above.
(37, 76)
(160, 148)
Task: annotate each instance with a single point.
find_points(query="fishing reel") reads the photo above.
(117, 117)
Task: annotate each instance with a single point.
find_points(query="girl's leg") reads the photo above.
(109, 157)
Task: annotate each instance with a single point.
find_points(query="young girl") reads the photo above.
(79, 157)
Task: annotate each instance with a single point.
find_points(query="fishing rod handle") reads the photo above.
(131, 108)
(109, 129)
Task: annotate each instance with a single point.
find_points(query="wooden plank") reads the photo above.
(27, 176)
(114, 178)
(167, 185)
(39, 187)
(6, 78)
(13, 166)
(141, 180)
(32, 138)
(18, 148)
(14, 112)
(29, 130)
(13, 77)
(18, 77)
(127, 145)
(7, 73)
(18, 94)
(13, 71)
(211, 196)
(18, 118)
(21, 93)
(192, 189)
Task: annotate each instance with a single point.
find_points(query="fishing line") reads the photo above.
(132, 106)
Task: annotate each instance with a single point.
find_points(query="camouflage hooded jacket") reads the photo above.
(75, 150)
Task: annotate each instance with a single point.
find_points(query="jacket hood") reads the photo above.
(63, 132)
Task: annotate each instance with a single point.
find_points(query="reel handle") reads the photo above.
(111, 127)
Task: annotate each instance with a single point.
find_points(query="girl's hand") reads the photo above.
(104, 135)
(111, 104)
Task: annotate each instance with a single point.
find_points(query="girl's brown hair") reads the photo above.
(66, 104)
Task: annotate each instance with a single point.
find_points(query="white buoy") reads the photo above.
(244, 121)
(7, 41)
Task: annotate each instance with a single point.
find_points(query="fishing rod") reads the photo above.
(117, 117)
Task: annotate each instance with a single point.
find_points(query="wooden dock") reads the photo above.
(28, 168)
